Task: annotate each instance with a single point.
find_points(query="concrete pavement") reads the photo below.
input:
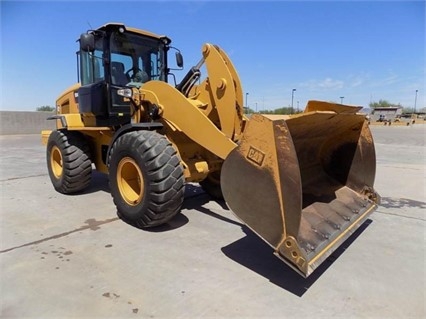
(71, 257)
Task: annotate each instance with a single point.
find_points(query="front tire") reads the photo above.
(68, 161)
(146, 178)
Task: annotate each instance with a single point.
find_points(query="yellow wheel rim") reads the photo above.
(56, 162)
(130, 181)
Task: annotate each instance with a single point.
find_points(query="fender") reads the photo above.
(129, 128)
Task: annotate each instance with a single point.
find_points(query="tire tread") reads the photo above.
(77, 165)
(165, 177)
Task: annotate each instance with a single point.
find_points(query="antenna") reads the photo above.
(91, 28)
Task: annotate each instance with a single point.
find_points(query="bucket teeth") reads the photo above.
(308, 247)
(334, 225)
(320, 233)
(343, 211)
(346, 218)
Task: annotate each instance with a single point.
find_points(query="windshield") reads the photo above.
(136, 59)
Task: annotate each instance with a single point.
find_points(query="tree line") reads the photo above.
(372, 105)
(45, 108)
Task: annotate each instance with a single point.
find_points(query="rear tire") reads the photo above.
(211, 185)
(146, 179)
(68, 161)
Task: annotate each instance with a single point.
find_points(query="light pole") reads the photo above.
(246, 101)
(297, 107)
(415, 102)
(256, 107)
(292, 98)
(341, 99)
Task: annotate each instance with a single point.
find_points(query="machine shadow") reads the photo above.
(254, 254)
(195, 198)
(176, 222)
(98, 183)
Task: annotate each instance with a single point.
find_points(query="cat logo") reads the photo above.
(255, 156)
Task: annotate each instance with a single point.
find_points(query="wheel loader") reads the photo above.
(301, 182)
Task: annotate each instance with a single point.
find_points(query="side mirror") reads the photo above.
(179, 59)
(87, 42)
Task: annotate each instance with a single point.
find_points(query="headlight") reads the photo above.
(125, 92)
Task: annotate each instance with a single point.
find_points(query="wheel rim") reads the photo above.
(56, 162)
(130, 181)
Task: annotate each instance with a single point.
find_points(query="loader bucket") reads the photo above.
(303, 183)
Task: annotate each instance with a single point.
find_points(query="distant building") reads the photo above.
(385, 113)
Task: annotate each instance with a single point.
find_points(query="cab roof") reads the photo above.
(114, 25)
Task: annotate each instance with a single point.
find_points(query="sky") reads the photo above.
(362, 51)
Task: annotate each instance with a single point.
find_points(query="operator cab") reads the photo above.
(112, 58)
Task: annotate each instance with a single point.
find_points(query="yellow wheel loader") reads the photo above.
(302, 182)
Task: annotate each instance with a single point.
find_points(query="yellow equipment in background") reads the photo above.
(302, 182)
